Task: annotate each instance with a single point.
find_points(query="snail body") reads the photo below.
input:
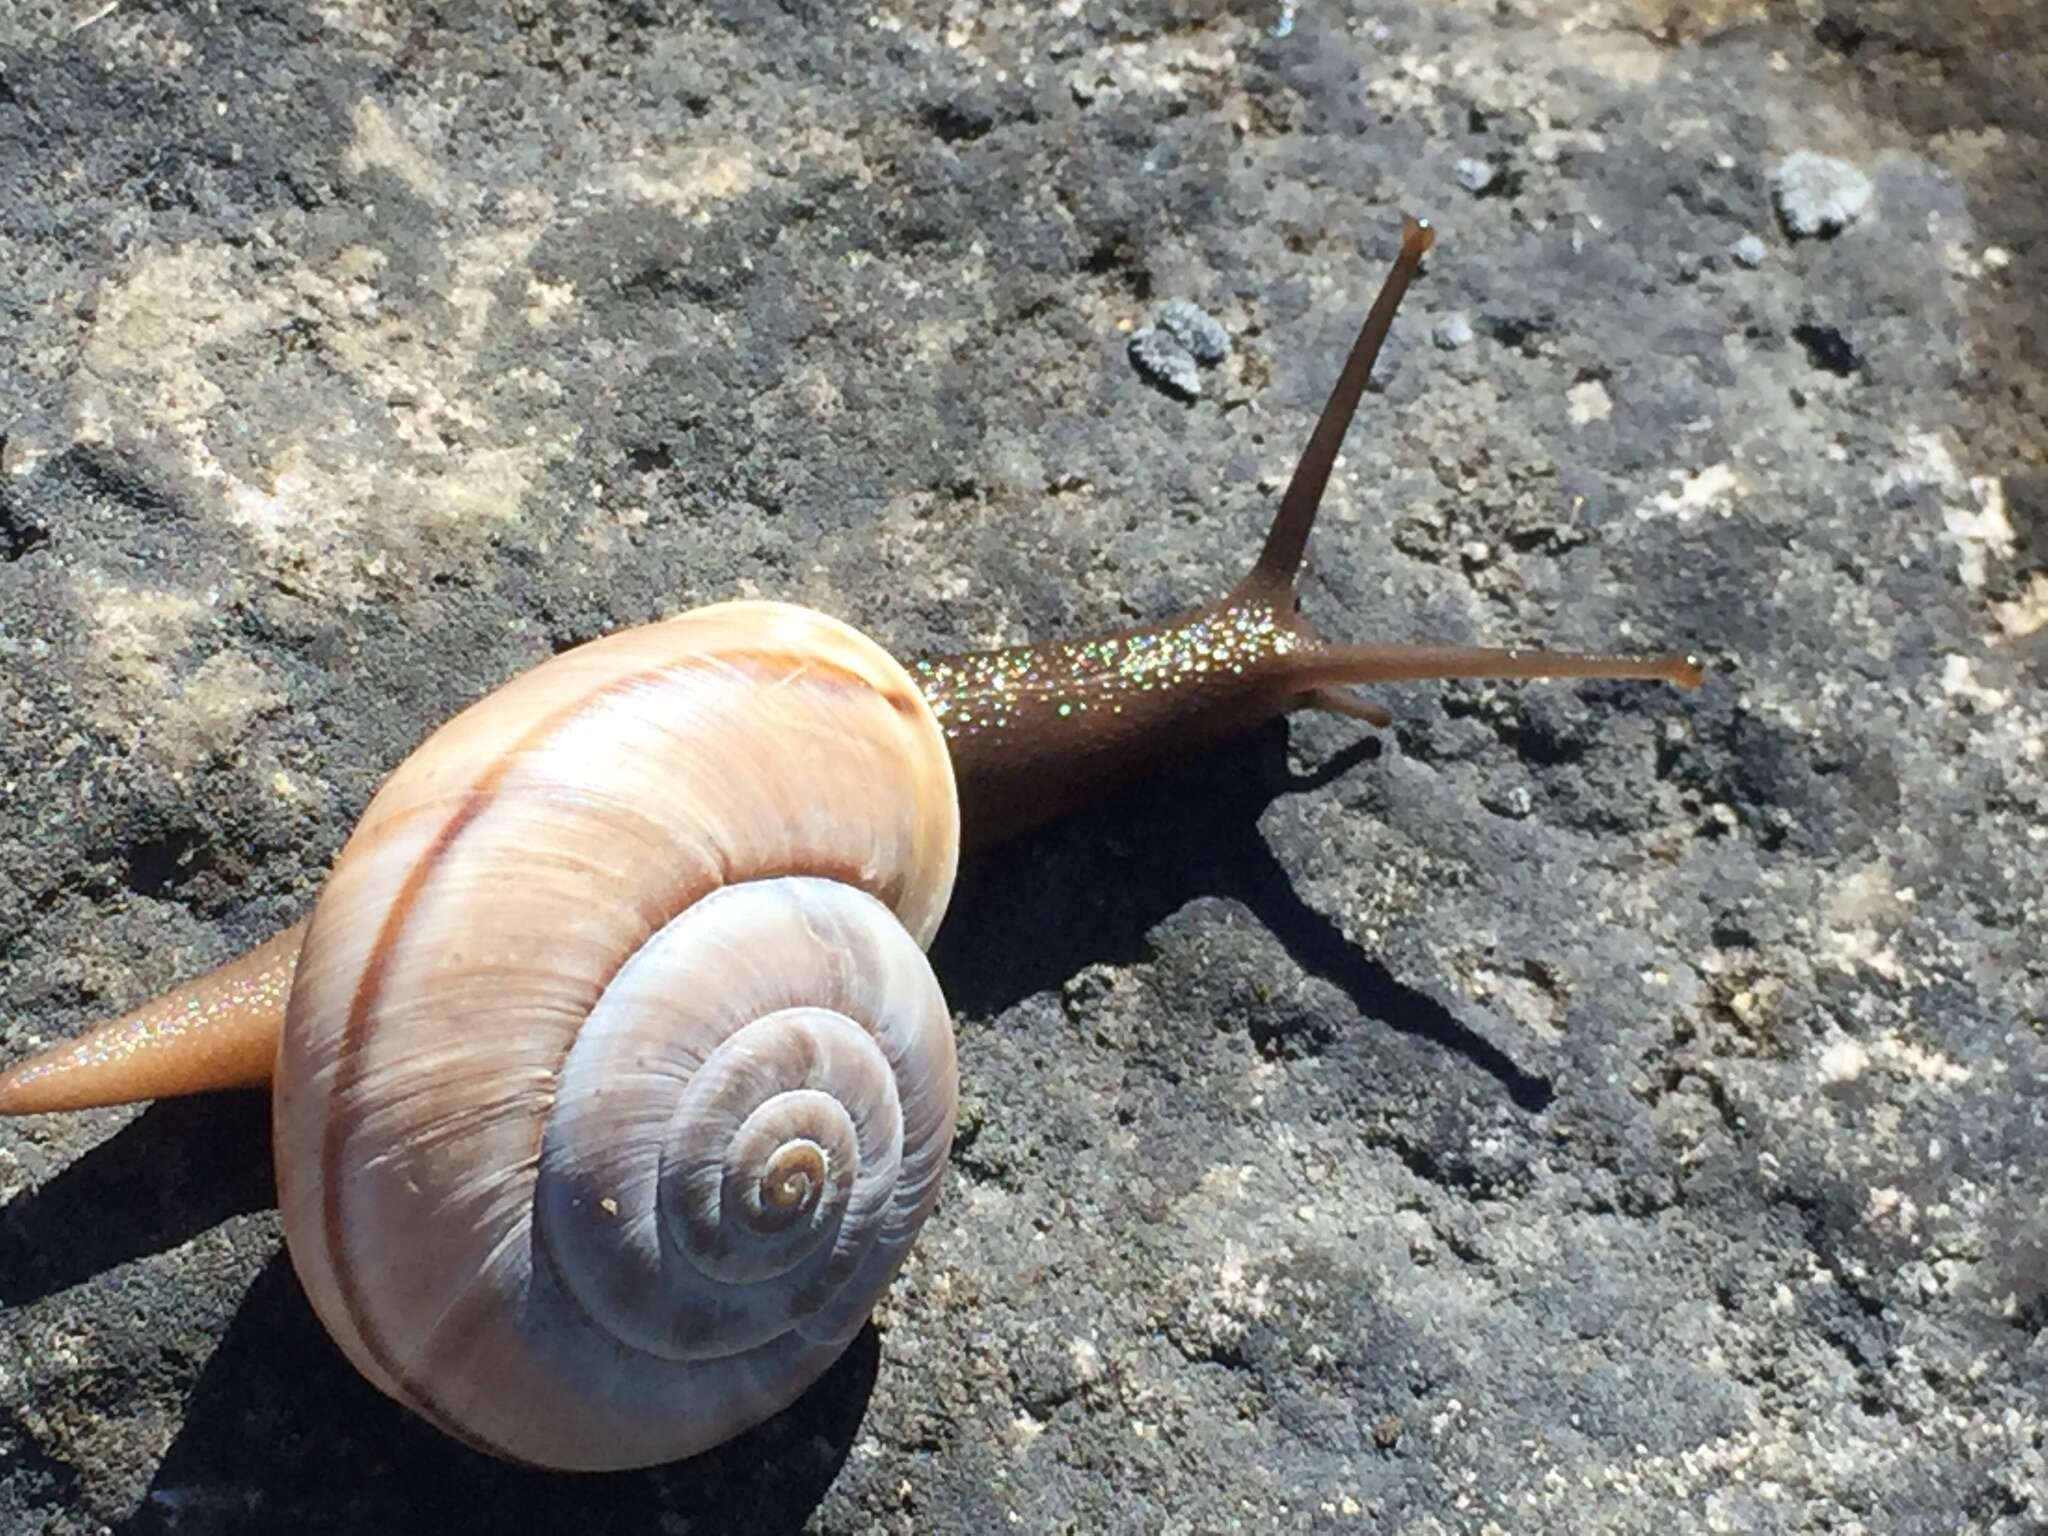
(610, 1083)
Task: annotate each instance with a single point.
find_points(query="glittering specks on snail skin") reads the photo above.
(1073, 680)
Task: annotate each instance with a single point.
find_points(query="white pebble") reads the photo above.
(1165, 362)
(1818, 194)
(1194, 328)
(1452, 332)
(1473, 175)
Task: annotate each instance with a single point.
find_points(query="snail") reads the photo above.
(610, 1082)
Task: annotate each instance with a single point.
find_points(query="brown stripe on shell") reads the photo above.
(355, 1031)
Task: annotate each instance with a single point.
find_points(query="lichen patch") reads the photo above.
(1861, 916)
(136, 631)
(368, 21)
(1714, 489)
(391, 446)
(143, 650)
(1973, 513)
(689, 180)
(150, 326)
(379, 144)
(209, 718)
(1589, 402)
(2027, 613)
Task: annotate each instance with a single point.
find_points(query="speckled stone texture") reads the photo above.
(1578, 1109)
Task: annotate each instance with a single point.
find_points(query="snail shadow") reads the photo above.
(180, 1168)
(281, 1434)
(1028, 916)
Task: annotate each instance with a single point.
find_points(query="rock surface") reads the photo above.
(1581, 1108)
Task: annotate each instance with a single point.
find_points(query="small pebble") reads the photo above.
(1473, 175)
(1818, 194)
(1452, 332)
(1181, 335)
(1194, 328)
(1749, 251)
(1514, 801)
(1165, 362)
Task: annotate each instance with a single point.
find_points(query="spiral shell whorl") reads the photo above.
(615, 1085)
(751, 1049)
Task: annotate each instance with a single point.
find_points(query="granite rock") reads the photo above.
(1579, 1108)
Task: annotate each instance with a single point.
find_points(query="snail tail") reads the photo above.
(217, 1031)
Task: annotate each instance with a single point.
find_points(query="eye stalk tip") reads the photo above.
(1417, 236)
(1688, 671)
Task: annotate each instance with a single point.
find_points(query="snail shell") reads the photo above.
(614, 1084)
